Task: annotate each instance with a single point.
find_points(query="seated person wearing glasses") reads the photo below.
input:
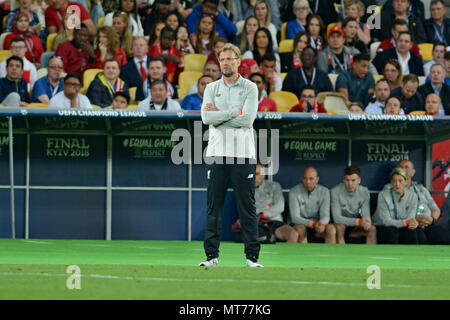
(70, 97)
(47, 87)
(308, 101)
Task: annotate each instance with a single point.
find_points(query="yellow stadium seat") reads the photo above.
(283, 31)
(427, 50)
(286, 46)
(38, 105)
(331, 112)
(88, 76)
(377, 77)
(50, 40)
(282, 75)
(418, 112)
(182, 93)
(132, 92)
(188, 78)
(4, 54)
(330, 25)
(100, 22)
(285, 100)
(194, 62)
(96, 106)
(132, 106)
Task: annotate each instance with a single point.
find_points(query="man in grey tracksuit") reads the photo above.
(309, 208)
(350, 208)
(229, 108)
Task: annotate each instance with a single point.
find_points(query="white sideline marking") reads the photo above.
(445, 260)
(292, 282)
(154, 248)
(384, 258)
(37, 242)
(95, 245)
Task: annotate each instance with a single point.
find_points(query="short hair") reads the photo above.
(399, 22)
(361, 56)
(204, 76)
(154, 83)
(122, 94)
(73, 75)
(303, 3)
(308, 87)
(168, 29)
(382, 80)
(220, 39)
(111, 60)
(269, 56)
(309, 47)
(158, 58)
(57, 58)
(447, 55)
(14, 58)
(17, 39)
(232, 47)
(440, 65)
(395, 97)
(352, 170)
(405, 32)
(400, 172)
(437, 44)
(410, 77)
(257, 74)
(433, 2)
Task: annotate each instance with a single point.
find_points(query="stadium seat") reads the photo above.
(422, 80)
(285, 100)
(96, 106)
(283, 31)
(427, 51)
(377, 77)
(37, 105)
(373, 49)
(418, 112)
(194, 62)
(330, 25)
(282, 75)
(100, 22)
(286, 46)
(2, 39)
(50, 40)
(88, 76)
(334, 101)
(42, 72)
(132, 106)
(185, 80)
(132, 92)
(331, 112)
(45, 57)
(333, 78)
(4, 54)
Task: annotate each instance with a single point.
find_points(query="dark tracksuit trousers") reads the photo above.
(242, 177)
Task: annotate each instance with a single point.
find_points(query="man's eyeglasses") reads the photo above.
(17, 47)
(55, 67)
(308, 97)
(72, 84)
(229, 59)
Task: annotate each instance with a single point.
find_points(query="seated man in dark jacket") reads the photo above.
(437, 85)
(411, 97)
(438, 26)
(105, 84)
(13, 89)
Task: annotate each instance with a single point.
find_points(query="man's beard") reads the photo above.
(228, 74)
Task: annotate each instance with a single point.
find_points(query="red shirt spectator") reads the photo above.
(55, 13)
(267, 105)
(317, 108)
(120, 56)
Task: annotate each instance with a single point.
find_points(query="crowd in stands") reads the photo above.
(363, 52)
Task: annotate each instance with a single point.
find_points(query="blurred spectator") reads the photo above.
(392, 72)
(205, 35)
(167, 51)
(78, 54)
(273, 80)
(265, 104)
(96, 11)
(262, 13)
(356, 9)
(447, 66)
(336, 58)
(432, 104)
(350, 27)
(108, 47)
(317, 32)
(120, 100)
(401, 11)
(398, 26)
(356, 108)
(47, 87)
(21, 28)
(439, 50)
(292, 60)
(217, 45)
(183, 43)
(245, 40)
(382, 92)
(172, 20)
(262, 45)
(269, 200)
(13, 89)
(194, 101)
(324, 9)
(396, 211)
(158, 99)
(155, 34)
(411, 98)
(67, 29)
(225, 28)
(156, 71)
(416, 8)
(121, 25)
(357, 84)
(307, 74)
(242, 9)
(308, 101)
(394, 105)
(301, 11)
(70, 97)
(105, 84)
(437, 86)
(161, 9)
(19, 48)
(438, 26)
(211, 69)
(247, 67)
(134, 73)
(130, 7)
(54, 15)
(309, 208)
(350, 208)
(410, 63)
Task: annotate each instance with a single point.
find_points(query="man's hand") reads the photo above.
(412, 224)
(424, 221)
(319, 227)
(210, 107)
(365, 224)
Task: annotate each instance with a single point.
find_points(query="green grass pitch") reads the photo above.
(167, 270)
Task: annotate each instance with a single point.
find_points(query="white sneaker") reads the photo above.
(210, 263)
(252, 264)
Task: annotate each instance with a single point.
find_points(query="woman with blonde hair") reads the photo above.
(245, 40)
(121, 26)
(66, 32)
(130, 7)
(262, 14)
(108, 47)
